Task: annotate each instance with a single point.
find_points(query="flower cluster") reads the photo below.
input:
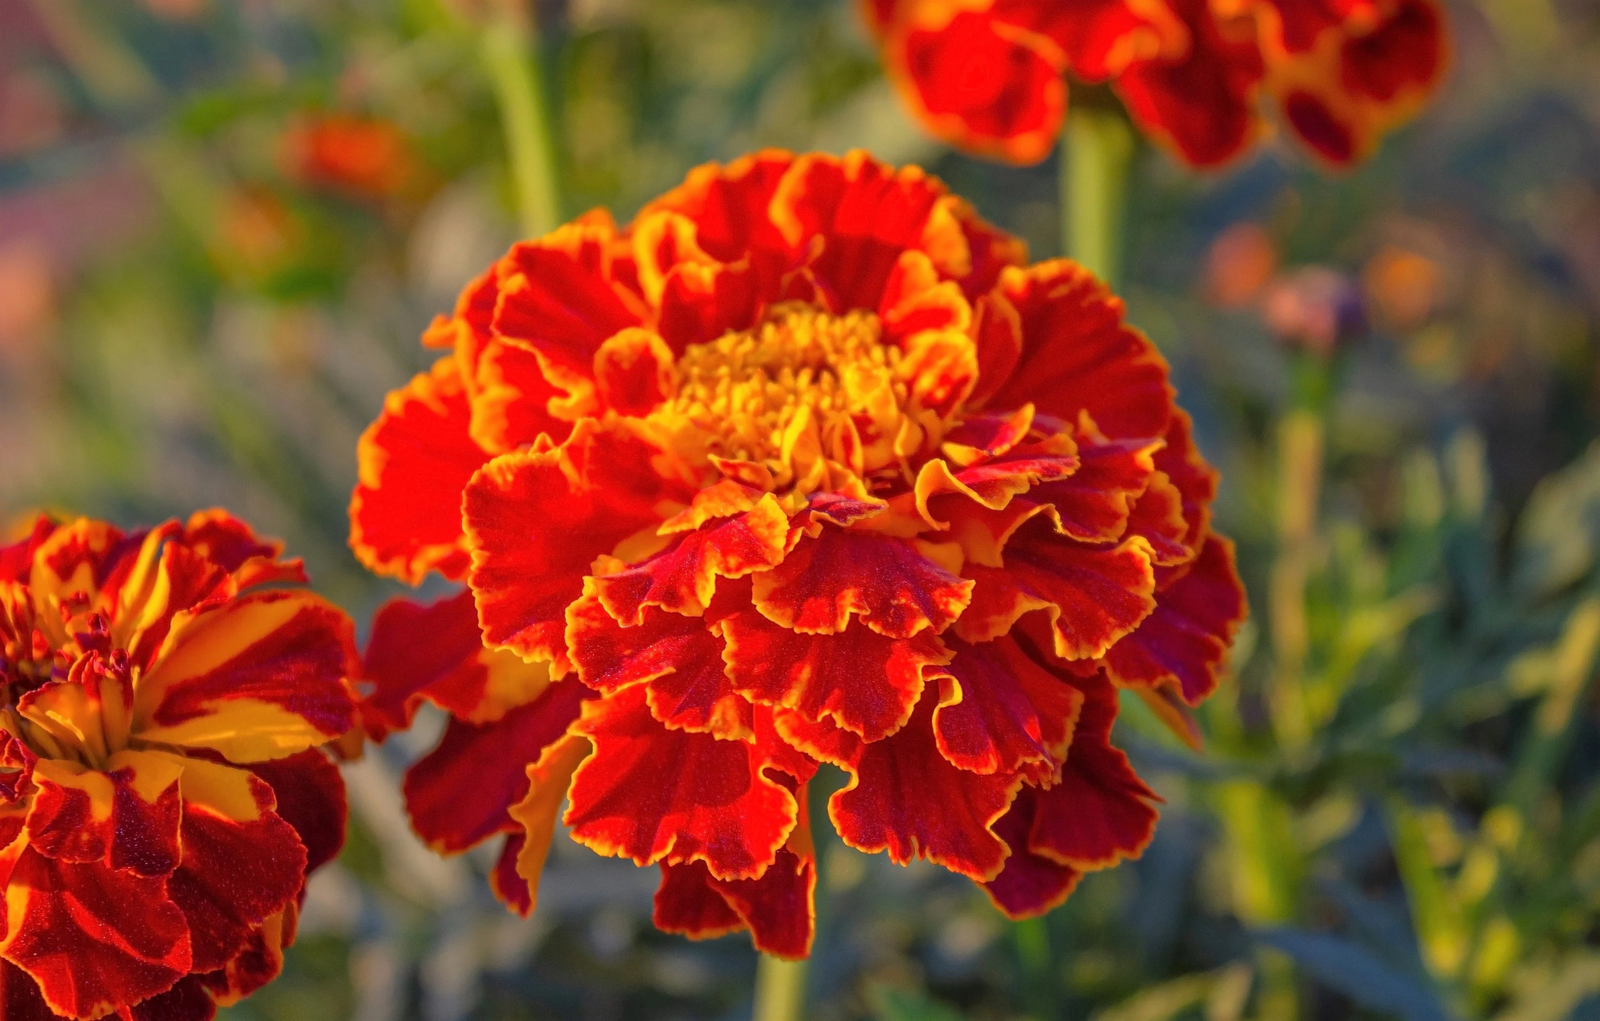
(162, 796)
(989, 76)
(804, 465)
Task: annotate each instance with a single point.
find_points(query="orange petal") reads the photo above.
(683, 577)
(896, 590)
(1000, 710)
(1186, 638)
(259, 678)
(715, 804)
(405, 514)
(907, 798)
(538, 519)
(93, 938)
(459, 794)
(862, 681)
(548, 780)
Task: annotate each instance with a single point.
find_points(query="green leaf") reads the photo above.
(1558, 533)
(1355, 971)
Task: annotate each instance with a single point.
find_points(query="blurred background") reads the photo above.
(224, 223)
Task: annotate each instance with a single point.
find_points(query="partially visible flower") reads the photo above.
(361, 157)
(1404, 286)
(1314, 308)
(805, 464)
(989, 75)
(163, 697)
(1239, 263)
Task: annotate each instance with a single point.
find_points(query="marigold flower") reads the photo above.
(162, 795)
(363, 157)
(804, 465)
(989, 75)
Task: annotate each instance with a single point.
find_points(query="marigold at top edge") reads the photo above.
(1195, 75)
(811, 466)
(163, 697)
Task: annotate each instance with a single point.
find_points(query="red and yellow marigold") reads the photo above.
(989, 76)
(162, 797)
(806, 464)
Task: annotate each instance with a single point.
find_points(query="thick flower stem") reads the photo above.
(1097, 151)
(780, 990)
(510, 42)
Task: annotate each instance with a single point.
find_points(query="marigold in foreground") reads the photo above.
(989, 75)
(804, 465)
(162, 795)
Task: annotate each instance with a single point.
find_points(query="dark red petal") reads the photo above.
(1029, 884)
(405, 514)
(907, 798)
(653, 794)
(1094, 502)
(94, 938)
(895, 588)
(459, 793)
(1186, 638)
(311, 798)
(413, 647)
(1100, 812)
(1000, 710)
(511, 889)
(686, 904)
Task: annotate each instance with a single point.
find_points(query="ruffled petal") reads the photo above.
(862, 681)
(896, 590)
(311, 798)
(1187, 636)
(1001, 711)
(458, 794)
(405, 514)
(259, 678)
(1099, 38)
(1100, 812)
(1080, 356)
(1029, 884)
(548, 780)
(537, 519)
(93, 938)
(1094, 595)
(716, 803)
(126, 815)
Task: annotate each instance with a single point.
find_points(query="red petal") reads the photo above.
(1406, 52)
(907, 798)
(729, 204)
(16, 560)
(862, 681)
(777, 907)
(94, 938)
(509, 888)
(1195, 479)
(311, 798)
(1099, 37)
(1201, 106)
(1078, 354)
(538, 519)
(896, 590)
(510, 398)
(405, 514)
(1094, 595)
(715, 803)
(683, 577)
(1000, 710)
(230, 829)
(1093, 503)
(548, 780)
(633, 372)
(1029, 884)
(686, 904)
(1186, 638)
(126, 815)
(1157, 517)
(1100, 812)
(459, 793)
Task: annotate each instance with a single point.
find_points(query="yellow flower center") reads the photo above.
(814, 400)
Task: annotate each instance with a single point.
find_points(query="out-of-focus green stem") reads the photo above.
(1098, 148)
(1032, 938)
(511, 53)
(780, 989)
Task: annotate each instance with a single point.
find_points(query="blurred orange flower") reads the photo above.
(989, 75)
(806, 464)
(361, 157)
(162, 796)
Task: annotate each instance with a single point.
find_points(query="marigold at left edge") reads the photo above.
(164, 694)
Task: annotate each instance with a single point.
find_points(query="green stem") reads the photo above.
(780, 989)
(1032, 938)
(511, 52)
(1098, 148)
